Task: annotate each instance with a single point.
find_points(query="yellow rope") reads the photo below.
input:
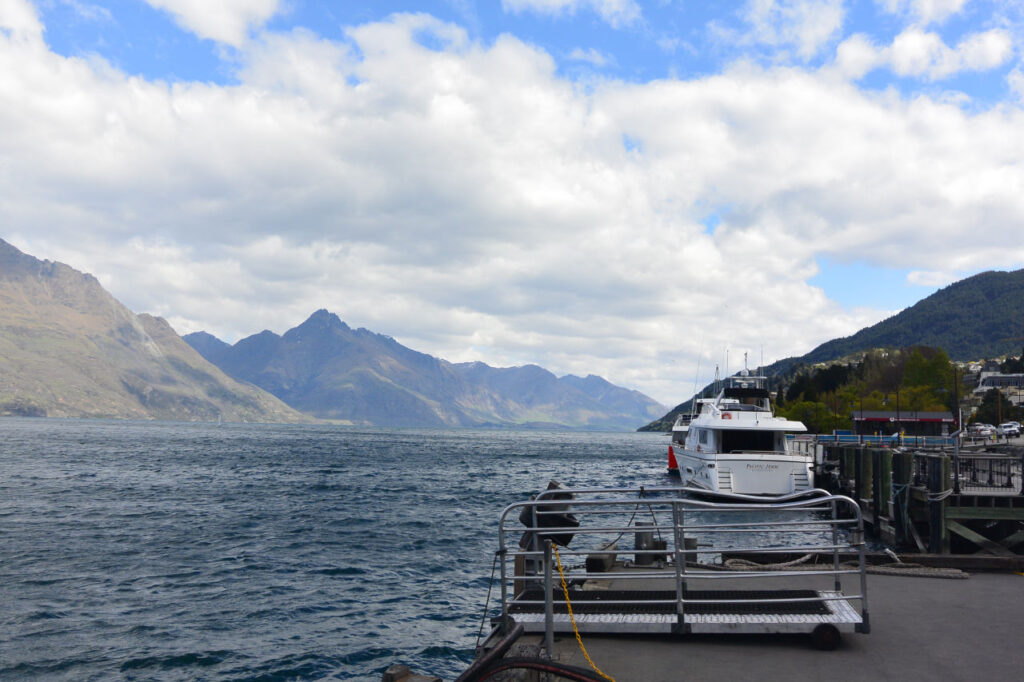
(572, 618)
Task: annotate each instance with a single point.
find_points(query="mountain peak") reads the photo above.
(323, 319)
(14, 260)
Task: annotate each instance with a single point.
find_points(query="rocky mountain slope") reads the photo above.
(69, 349)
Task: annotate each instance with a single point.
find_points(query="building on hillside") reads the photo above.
(909, 422)
(1011, 385)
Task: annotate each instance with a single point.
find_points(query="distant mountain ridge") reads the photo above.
(975, 318)
(69, 349)
(978, 317)
(327, 369)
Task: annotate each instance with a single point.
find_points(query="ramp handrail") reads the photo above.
(678, 535)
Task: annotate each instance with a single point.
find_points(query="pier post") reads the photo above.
(835, 546)
(549, 603)
(876, 493)
(858, 487)
(902, 464)
(681, 557)
(886, 482)
(938, 475)
(947, 483)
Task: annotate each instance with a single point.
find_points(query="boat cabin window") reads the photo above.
(759, 441)
(755, 399)
(703, 436)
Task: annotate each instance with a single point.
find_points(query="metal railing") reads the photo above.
(682, 541)
(891, 440)
(985, 474)
(989, 474)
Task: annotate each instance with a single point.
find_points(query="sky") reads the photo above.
(638, 190)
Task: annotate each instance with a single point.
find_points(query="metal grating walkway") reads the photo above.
(664, 601)
(832, 609)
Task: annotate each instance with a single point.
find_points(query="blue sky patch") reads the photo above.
(858, 284)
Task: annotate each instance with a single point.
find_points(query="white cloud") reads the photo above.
(19, 21)
(591, 56)
(88, 10)
(856, 56)
(396, 185)
(916, 53)
(933, 279)
(925, 11)
(1015, 81)
(224, 21)
(616, 12)
(987, 50)
(803, 25)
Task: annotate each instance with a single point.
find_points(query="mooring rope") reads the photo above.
(743, 564)
(487, 604)
(572, 618)
(897, 568)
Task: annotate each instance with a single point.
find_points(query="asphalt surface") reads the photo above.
(921, 629)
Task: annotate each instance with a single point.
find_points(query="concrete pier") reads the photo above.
(922, 629)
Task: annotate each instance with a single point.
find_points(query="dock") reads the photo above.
(921, 629)
(948, 500)
(660, 587)
(563, 574)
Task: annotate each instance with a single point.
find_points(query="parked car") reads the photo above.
(981, 431)
(1010, 429)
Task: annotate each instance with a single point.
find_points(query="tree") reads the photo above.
(1013, 365)
(816, 416)
(995, 408)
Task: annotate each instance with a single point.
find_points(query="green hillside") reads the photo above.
(976, 318)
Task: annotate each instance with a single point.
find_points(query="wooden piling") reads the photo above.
(876, 492)
(858, 475)
(938, 483)
(902, 464)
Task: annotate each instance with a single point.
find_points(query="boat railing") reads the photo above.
(793, 452)
(683, 547)
(742, 407)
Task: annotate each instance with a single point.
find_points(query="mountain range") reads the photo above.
(326, 369)
(980, 317)
(69, 349)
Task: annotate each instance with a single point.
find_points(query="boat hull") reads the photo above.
(747, 474)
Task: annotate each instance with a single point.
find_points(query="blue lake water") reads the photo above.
(176, 551)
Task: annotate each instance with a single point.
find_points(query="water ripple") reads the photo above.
(162, 551)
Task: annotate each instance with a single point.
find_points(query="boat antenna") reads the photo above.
(693, 400)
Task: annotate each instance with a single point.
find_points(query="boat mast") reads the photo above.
(693, 398)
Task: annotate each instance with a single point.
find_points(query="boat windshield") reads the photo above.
(743, 398)
(752, 440)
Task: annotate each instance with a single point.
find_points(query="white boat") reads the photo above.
(736, 444)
